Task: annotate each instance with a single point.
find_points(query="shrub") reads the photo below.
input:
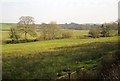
(14, 36)
(94, 33)
(67, 34)
(107, 30)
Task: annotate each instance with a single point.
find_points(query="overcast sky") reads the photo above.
(61, 11)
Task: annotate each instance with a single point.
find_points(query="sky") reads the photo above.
(60, 11)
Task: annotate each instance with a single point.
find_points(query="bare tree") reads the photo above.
(44, 31)
(53, 30)
(27, 26)
(49, 31)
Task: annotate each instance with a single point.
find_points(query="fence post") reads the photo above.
(69, 75)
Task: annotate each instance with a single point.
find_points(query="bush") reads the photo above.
(108, 30)
(19, 41)
(14, 36)
(94, 33)
(67, 34)
(83, 37)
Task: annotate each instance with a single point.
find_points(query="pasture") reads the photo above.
(52, 58)
(7, 26)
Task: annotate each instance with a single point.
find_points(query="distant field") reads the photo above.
(5, 36)
(51, 59)
(79, 33)
(76, 33)
(7, 26)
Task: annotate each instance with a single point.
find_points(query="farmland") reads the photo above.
(50, 59)
(38, 59)
(60, 40)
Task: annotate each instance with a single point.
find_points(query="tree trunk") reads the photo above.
(26, 36)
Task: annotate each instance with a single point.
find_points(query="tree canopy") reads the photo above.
(27, 26)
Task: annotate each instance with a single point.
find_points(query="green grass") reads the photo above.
(5, 36)
(7, 26)
(52, 58)
(76, 34)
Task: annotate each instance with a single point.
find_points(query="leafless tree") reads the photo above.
(49, 31)
(27, 26)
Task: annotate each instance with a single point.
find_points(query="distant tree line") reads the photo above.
(76, 26)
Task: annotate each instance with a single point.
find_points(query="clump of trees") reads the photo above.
(49, 31)
(26, 27)
(106, 30)
(109, 29)
(52, 31)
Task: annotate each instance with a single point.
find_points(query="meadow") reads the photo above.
(50, 59)
(7, 26)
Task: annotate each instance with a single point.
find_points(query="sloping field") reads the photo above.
(51, 59)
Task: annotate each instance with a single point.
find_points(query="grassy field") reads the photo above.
(7, 26)
(76, 34)
(5, 36)
(51, 59)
